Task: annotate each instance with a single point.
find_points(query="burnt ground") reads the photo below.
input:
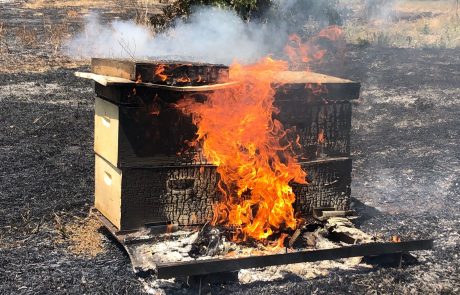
(405, 144)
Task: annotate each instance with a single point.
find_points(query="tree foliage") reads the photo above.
(294, 14)
(182, 8)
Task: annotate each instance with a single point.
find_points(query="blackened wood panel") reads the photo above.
(316, 130)
(329, 183)
(119, 94)
(142, 95)
(183, 195)
(161, 72)
(158, 134)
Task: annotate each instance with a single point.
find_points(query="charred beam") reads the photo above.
(209, 266)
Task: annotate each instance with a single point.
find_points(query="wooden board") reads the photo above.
(309, 87)
(321, 129)
(105, 80)
(132, 197)
(329, 185)
(107, 192)
(161, 72)
(106, 131)
(295, 85)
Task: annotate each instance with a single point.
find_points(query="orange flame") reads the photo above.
(395, 239)
(159, 72)
(321, 137)
(301, 53)
(183, 79)
(279, 244)
(238, 134)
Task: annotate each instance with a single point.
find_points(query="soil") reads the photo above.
(405, 145)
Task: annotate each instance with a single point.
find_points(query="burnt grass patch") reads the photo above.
(405, 142)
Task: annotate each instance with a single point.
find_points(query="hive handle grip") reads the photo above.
(105, 121)
(107, 178)
(181, 184)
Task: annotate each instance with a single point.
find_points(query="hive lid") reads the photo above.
(295, 83)
(172, 73)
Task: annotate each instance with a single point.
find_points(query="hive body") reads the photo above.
(146, 173)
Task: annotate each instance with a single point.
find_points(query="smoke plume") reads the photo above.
(210, 34)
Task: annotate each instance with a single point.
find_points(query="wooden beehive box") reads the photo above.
(132, 197)
(155, 177)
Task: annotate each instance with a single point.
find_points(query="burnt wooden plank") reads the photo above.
(121, 94)
(301, 85)
(161, 72)
(209, 266)
(184, 195)
(141, 95)
(319, 129)
(329, 185)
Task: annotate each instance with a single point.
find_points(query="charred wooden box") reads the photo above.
(133, 197)
(149, 135)
(148, 130)
(146, 171)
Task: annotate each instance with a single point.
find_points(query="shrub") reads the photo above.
(295, 13)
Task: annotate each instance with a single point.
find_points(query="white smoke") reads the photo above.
(213, 35)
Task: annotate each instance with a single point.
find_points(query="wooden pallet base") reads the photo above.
(136, 244)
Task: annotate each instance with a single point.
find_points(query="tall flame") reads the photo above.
(240, 136)
(237, 132)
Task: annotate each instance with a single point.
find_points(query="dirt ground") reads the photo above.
(405, 145)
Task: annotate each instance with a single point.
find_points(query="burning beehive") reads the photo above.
(150, 169)
(235, 157)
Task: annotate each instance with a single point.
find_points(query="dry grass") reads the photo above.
(410, 24)
(56, 34)
(81, 235)
(435, 6)
(3, 43)
(38, 4)
(27, 36)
